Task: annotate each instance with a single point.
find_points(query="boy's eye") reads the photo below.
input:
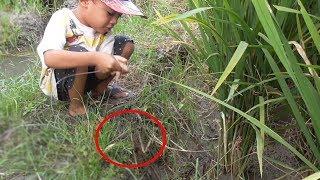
(109, 13)
(114, 13)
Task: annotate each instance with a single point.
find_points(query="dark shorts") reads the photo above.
(65, 77)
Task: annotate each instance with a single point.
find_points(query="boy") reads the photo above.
(79, 54)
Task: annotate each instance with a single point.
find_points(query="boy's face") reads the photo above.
(100, 17)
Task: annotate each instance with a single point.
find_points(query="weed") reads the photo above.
(9, 34)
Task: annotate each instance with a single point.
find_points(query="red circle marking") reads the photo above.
(131, 111)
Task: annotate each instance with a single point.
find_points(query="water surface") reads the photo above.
(15, 65)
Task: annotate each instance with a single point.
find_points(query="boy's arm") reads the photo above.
(63, 59)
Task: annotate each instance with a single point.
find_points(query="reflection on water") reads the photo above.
(12, 66)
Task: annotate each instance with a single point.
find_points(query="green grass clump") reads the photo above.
(41, 141)
(246, 43)
(22, 5)
(9, 34)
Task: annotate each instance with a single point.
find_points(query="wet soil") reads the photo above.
(14, 66)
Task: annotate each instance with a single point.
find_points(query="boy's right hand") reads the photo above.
(121, 59)
(123, 63)
(106, 63)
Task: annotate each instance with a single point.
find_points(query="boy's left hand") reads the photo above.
(123, 63)
(121, 59)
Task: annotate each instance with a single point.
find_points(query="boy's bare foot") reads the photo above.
(76, 108)
(113, 92)
(116, 92)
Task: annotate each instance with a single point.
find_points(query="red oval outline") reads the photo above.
(131, 111)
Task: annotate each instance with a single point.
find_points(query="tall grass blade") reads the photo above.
(177, 17)
(225, 138)
(233, 89)
(311, 27)
(259, 148)
(290, 10)
(280, 45)
(233, 62)
(286, 9)
(260, 136)
(262, 114)
(315, 176)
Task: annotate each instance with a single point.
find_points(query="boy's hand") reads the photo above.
(123, 63)
(121, 59)
(106, 63)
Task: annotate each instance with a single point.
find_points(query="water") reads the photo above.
(15, 65)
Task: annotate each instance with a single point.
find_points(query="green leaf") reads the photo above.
(286, 9)
(311, 27)
(177, 17)
(260, 135)
(310, 66)
(289, 10)
(262, 114)
(315, 176)
(233, 89)
(260, 147)
(232, 63)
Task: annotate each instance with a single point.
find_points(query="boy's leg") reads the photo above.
(123, 47)
(76, 93)
(71, 85)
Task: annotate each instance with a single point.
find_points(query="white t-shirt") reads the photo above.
(65, 30)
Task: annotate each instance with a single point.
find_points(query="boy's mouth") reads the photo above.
(108, 29)
(105, 29)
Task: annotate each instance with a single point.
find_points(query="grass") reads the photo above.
(9, 34)
(16, 35)
(21, 5)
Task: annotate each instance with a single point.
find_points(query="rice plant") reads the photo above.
(264, 53)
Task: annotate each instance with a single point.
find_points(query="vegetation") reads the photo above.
(9, 34)
(250, 57)
(38, 139)
(26, 5)
(265, 71)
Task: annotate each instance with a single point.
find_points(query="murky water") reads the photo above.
(12, 65)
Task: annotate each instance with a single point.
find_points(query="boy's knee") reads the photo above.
(128, 49)
(82, 69)
(77, 48)
(102, 76)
